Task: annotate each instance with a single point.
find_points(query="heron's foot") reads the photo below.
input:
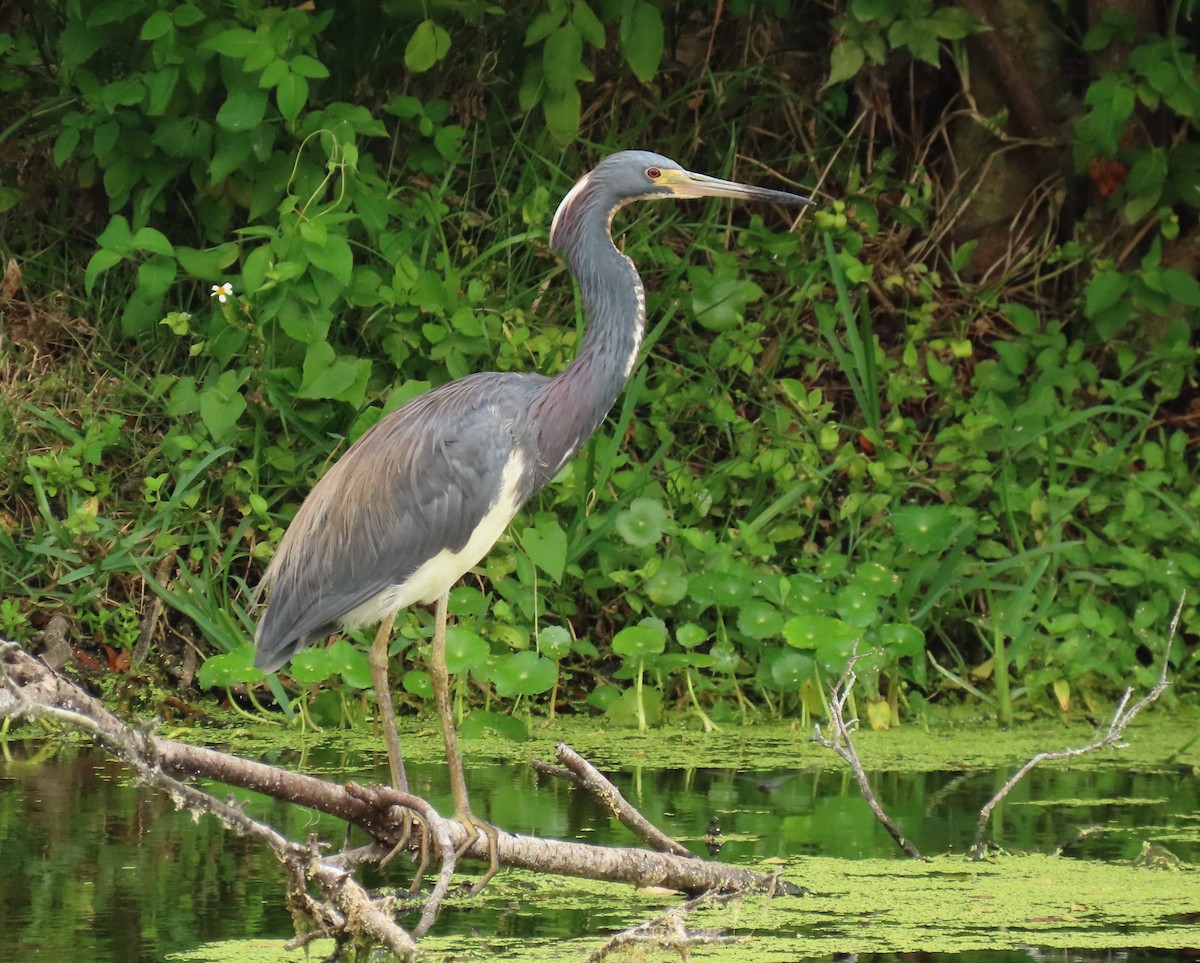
(474, 826)
(409, 817)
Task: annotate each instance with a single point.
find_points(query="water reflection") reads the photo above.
(101, 869)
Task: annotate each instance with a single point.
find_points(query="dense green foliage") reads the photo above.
(945, 419)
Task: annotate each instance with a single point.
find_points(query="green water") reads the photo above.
(97, 868)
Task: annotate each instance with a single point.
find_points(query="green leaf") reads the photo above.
(222, 404)
(638, 641)
(812, 631)
(153, 241)
(99, 262)
(428, 44)
(845, 61)
(668, 585)
(417, 682)
(464, 650)
(313, 666)
(261, 56)
(759, 620)
(562, 113)
(719, 300)
(529, 94)
(623, 710)
(1181, 286)
(554, 642)
(237, 42)
(273, 73)
(65, 144)
(232, 154)
(587, 23)
(160, 86)
(952, 23)
(255, 267)
(229, 668)
(643, 523)
(307, 66)
(207, 265)
(10, 197)
(876, 579)
(523, 673)
(187, 15)
(790, 669)
(1103, 291)
(720, 588)
(333, 256)
(479, 722)
(924, 528)
(885, 11)
(546, 545)
(291, 95)
(329, 377)
(902, 639)
(857, 606)
(351, 663)
(1144, 185)
(243, 110)
(544, 24)
(561, 57)
(690, 635)
(918, 36)
(158, 24)
(642, 39)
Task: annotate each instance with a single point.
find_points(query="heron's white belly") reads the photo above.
(436, 577)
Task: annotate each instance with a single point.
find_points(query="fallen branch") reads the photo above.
(843, 745)
(1111, 736)
(29, 689)
(346, 906)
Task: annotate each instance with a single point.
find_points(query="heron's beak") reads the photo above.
(687, 184)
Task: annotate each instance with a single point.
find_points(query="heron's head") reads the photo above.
(631, 175)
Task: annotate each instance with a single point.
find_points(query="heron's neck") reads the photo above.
(574, 403)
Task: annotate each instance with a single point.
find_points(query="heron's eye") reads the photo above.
(653, 173)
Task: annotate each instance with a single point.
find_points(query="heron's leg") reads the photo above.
(440, 677)
(383, 700)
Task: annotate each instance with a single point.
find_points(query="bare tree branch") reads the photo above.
(347, 903)
(843, 745)
(595, 782)
(1112, 735)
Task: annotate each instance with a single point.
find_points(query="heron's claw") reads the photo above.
(474, 825)
(410, 816)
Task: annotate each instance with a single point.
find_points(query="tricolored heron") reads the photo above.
(420, 498)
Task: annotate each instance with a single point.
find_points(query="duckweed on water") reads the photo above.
(862, 906)
(1156, 739)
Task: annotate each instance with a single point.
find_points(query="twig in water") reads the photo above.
(1122, 715)
(591, 779)
(843, 745)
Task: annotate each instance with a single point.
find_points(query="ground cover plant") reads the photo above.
(949, 419)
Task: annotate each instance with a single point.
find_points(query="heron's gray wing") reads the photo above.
(419, 482)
